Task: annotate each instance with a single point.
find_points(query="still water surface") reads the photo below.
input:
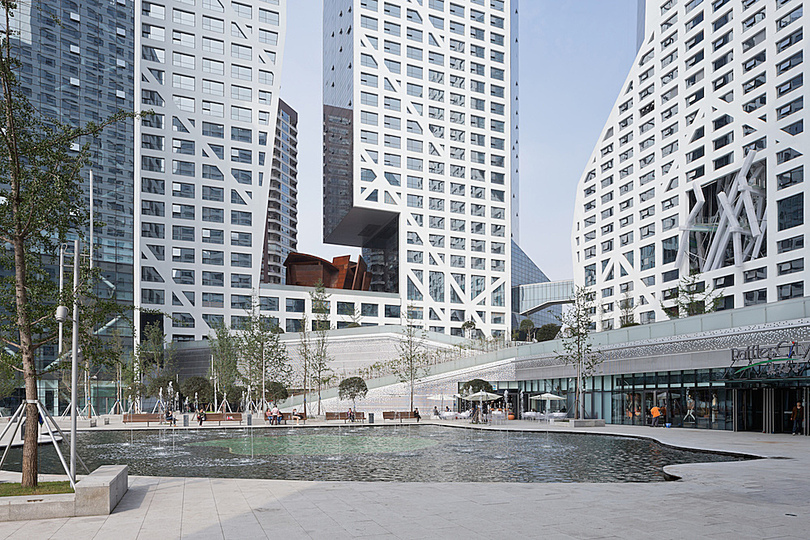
(408, 453)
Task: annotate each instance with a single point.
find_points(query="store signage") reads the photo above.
(782, 360)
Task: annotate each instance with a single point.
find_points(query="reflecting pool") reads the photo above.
(408, 453)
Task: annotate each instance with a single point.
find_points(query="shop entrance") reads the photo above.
(657, 398)
(784, 399)
(749, 409)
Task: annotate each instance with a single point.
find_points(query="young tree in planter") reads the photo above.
(468, 327)
(694, 298)
(41, 202)
(320, 359)
(577, 325)
(352, 388)
(306, 350)
(264, 357)
(413, 362)
(224, 360)
(199, 387)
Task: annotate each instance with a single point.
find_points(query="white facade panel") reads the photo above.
(699, 172)
(433, 95)
(211, 71)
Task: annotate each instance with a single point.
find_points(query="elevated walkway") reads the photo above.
(534, 297)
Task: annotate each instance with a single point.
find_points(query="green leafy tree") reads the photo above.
(199, 387)
(224, 360)
(154, 357)
(320, 359)
(577, 351)
(158, 383)
(10, 378)
(352, 388)
(41, 203)
(526, 329)
(264, 357)
(413, 362)
(277, 391)
(475, 385)
(693, 298)
(547, 332)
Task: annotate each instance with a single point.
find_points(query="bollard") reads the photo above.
(185, 420)
(371, 418)
(250, 419)
(106, 420)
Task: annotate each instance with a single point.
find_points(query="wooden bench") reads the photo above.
(287, 416)
(397, 415)
(144, 417)
(223, 417)
(361, 416)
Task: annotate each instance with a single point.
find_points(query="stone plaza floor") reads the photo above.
(764, 498)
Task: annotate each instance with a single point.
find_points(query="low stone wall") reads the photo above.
(97, 494)
(587, 422)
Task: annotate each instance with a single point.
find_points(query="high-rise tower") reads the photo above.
(281, 234)
(210, 71)
(420, 151)
(697, 180)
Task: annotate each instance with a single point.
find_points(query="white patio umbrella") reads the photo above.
(548, 399)
(481, 396)
(442, 397)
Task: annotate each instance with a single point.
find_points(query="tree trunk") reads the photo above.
(29, 459)
(411, 391)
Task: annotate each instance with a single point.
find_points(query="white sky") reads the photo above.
(574, 57)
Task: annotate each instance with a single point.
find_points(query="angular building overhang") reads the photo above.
(362, 227)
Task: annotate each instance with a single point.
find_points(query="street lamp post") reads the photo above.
(61, 318)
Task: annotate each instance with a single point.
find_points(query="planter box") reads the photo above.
(97, 494)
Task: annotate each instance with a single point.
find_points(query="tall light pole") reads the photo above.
(61, 318)
(74, 364)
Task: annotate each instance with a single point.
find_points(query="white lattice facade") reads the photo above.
(210, 71)
(700, 167)
(428, 93)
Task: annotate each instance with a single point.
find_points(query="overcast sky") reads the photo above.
(574, 57)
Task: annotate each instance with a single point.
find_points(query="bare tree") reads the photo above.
(577, 324)
(320, 359)
(413, 362)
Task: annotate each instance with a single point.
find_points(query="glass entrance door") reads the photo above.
(653, 398)
(784, 401)
(750, 409)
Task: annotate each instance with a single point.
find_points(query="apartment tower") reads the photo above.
(696, 184)
(210, 71)
(420, 152)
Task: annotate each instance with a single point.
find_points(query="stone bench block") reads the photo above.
(99, 492)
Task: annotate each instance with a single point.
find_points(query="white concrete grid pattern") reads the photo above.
(432, 86)
(700, 166)
(211, 73)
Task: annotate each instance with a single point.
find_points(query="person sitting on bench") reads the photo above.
(170, 419)
(350, 415)
(417, 415)
(295, 416)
